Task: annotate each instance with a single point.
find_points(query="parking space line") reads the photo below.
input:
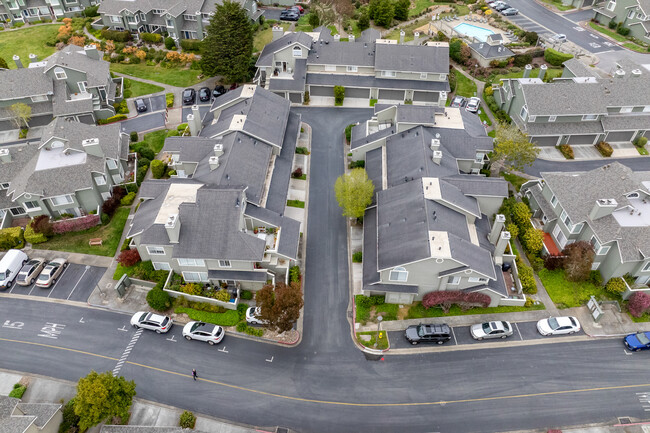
(32, 289)
(518, 332)
(57, 282)
(78, 281)
(454, 335)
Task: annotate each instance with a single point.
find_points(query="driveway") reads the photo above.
(153, 103)
(144, 122)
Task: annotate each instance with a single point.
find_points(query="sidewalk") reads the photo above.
(143, 412)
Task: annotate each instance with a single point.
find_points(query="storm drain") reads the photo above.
(624, 420)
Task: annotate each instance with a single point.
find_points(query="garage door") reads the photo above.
(619, 136)
(425, 96)
(392, 95)
(296, 98)
(351, 92)
(321, 91)
(582, 139)
(545, 141)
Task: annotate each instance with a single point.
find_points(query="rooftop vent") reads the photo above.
(5, 156)
(435, 143)
(171, 221)
(90, 142)
(214, 162)
(218, 149)
(437, 156)
(636, 72)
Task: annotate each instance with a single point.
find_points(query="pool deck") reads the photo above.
(448, 27)
(481, 34)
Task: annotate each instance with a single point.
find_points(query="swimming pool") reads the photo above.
(473, 31)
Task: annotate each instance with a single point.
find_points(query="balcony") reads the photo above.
(269, 235)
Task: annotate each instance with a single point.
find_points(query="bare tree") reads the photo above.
(21, 113)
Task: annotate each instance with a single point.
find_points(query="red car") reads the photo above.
(300, 8)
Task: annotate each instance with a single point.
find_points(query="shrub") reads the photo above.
(127, 200)
(596, 278)
(639, 304)
(244, 328)
(91, 11)
(530, 37)
(158, 299)
(18, 391)
(369, 301)
(297, 173)
(105, 219)
(112, 119)
(110, 206)
(133, 136)
(32, 237)
(302, 150)
(221, 295)
(121, 107)
(623, 31)
(157, 168)
(513, 229)
(339, 95)
(11, 237)
(552, 262)
(566, 150)
(521, 215)
(579, 257)
(115, 35)
(521, 60)
(169, 99)
(640, 141)
(170, 44)
(151, 38)
(532, 240)
(604, 148)
(147, 153)
(187, 420)
(294, 274)
(194, 289)
(348, 132)
(305, 100)
(615, 287)
(246, 295)
(357, 257)
(191, 45)
(70, 421)
(75, 224)
(128, 257)
(535, 261)
(612, 24)
(526, 277)
(556, 58)
(41, 224)
(358, 164)
(464, 300)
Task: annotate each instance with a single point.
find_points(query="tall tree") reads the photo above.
(228, 47)
(512, 147)
(354, 192)
(101, 397)
(579, 257)
(20, 114)
(280, 305)
(364, 19)
(402, 9)
(384, 13)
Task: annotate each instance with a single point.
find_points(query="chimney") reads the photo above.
(437, 156)
(173, 227)
(194, 121)
(435, 144)
(501, 247)
(91, 52)
(602, 208)
(542, 71)
(499, 222)
(91, 147)
(5, 156)
(19, 64)
(277, 32)
(33, 58)
(350, 38)
(214, 162)
(416, 37)
(402, 33)
(190, 122)
(636, 73)
(337, 38)
(218, 149)
(527, 70)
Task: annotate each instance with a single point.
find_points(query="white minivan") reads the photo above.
(10, 265)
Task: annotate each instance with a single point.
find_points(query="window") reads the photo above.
(161, 266)
(190, 262)
(131, 19)
(423, 76)
(388, 73)
(554, 201)
(330, 68)
(189, 34)
(297, 51)
(577, 228)
(59, 73)
(524, 112)
(626, 109)
(611, 5)
(197, 277)
(100, 180)
(552, 118)
(592, 116)
(170, 22)
(61, 200)
(206, 17)
(595, 266)
(598, 248)
(480, 156)
(142, 17)
(630, 14)
(115, 19)
(156, 251)
(477, 280)
(224, 264)
(646, 267)
(454, 281)
(398, 274)
(443, 77)
(12, 4)
(112, 165)
(4, 185)
(532, 118)
(188, 17)
(352, 69)
(40, 98)
(646, 109)
(82, 86)
(157, 11)
(566, 220)
(106, 195)
(32, 205)
(559, 236)
(15, 211)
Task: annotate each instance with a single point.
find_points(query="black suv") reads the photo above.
(428, 334)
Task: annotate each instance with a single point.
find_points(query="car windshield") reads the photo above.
(196, 326)
(187, 93)
(164, 322)
(44, 276)
(26, 269)
(486, 328)
(643, 339)
(421, 332)
(552, 322)
(2, 276)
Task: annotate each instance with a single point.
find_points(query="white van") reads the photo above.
(10, 265)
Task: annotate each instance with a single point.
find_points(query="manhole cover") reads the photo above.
(624, 420)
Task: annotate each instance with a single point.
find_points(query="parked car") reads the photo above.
(51, 272)
(204, 94)
(458, 101)
(560, 37)
(189, 96)
(638, 341)
(253, 316)
(152, 321)
(487, 330)
(492, 4)
(218, 91)
(439, 334)
(509, 11)
(140, 106)
(212, 334)
(10, 266)
(558, 325)
(473, 104)
(298, 8)
(287, 15)
(30, 271)
(502, 6)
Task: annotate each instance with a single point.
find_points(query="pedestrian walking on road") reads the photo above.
(194, 375)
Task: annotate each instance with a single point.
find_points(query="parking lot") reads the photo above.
(523, 331)
(76, 283)
(154, 103)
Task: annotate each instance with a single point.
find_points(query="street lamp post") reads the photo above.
(379, 319)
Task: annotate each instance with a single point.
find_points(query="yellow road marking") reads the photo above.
(341, 403)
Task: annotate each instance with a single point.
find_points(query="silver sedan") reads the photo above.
(484, 331)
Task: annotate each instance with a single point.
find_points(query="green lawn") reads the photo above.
(484, 117)
(634, 47)
(567, 294)
(492, 133)
(383, 339)
(464, 86)
(417, 311)
(516, 181)
(264, 36)
(302, 25)
(408, 29)
(421, 5)
(558, 4)
(77, 242)
(611, 33)
(296, 203)
(26, 41)
(138, 88)
(154, 140)
(171, 76)
(550, 73)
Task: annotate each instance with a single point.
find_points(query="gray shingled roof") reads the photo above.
(289, 233)
(114, 7)
(42, 411)
(543, 203)
(559, 98)
(577, 195)
(626, 122)
(296, 83)
(341, 53)
(97, 71)
(369, 35)
(369, 264)
(374, 169)
(479, 186)
(24, 82)
(579, 69)
(320, 79)
(396, 288)
(221, 274)
(556, 128)
(491, 52)
(454, 196)
(288, 40)
(16, 424)
(7, 405)
(276, 196)
(62, 105)
(412, 58)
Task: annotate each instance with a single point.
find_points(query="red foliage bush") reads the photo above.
(110, 206)
(446, 299)
(75, 224)
(552, 262)
(128, 257)
(42, 224)
(639, 304)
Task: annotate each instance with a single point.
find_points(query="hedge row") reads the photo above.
(32, 237)
(151, 38)
(113, 119)
(229, 318)
(75, 224)
(116, 36)
(11, 237)
(555, 57)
